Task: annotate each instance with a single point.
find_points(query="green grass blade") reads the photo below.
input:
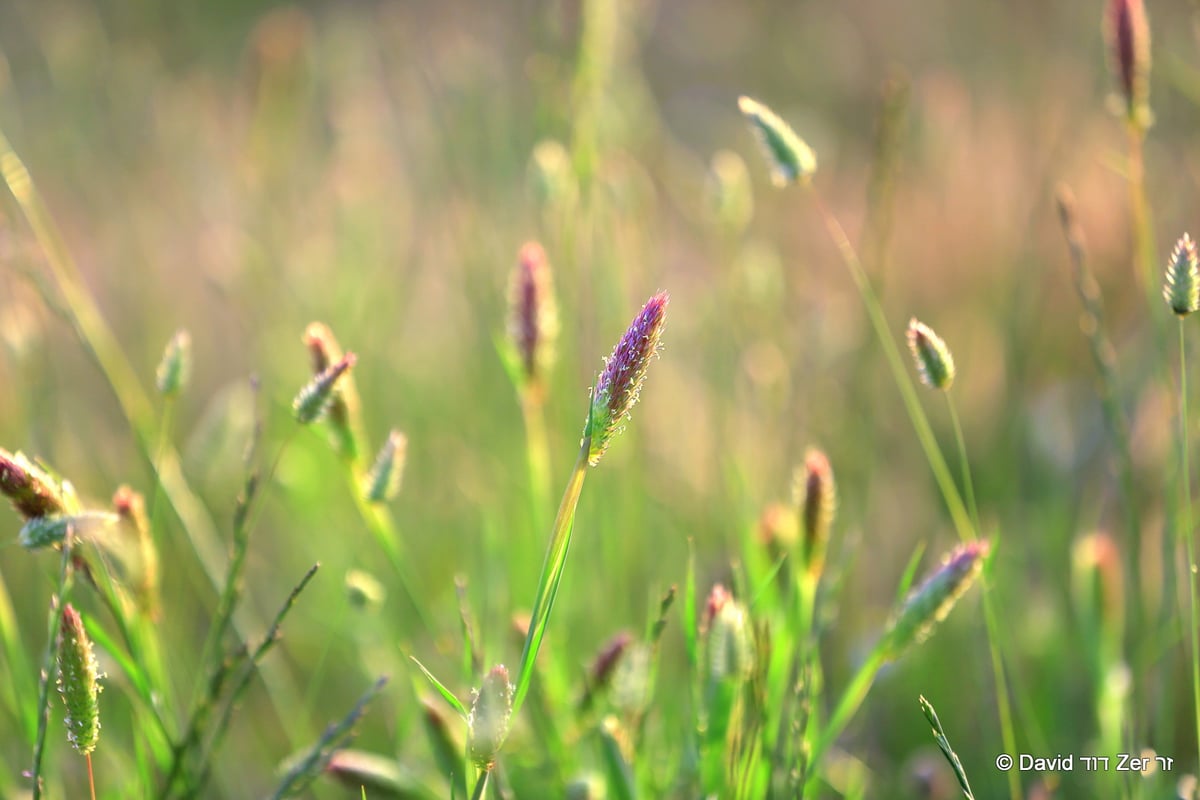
(446, 694)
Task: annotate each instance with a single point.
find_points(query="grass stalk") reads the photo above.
(53, 624)
(537, 451)
(1185, 527)
(552, 569)
(965, 522)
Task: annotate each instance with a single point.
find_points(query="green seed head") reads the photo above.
(318, 393)
(790, 158)
(176, 365)
(620, 382)
(364, 590)
(40, 532)
(934, 362)
(487, 724)
(1182, 289)
(730, 641)
(382, 483)
(78, 682)
(930, 602)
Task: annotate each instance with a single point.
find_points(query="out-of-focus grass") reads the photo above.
(240, 170)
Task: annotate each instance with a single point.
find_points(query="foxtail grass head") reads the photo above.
(487, 725)
(934, 362)
(176, 365)
(318, 394)
(815, 494)
(731, 646)
(532, 316)
(1182, 288)
(790, 158)
(344, 410)
(78, 682)
(1127, 36)
(382, 482)
(620, 382)
(930, 602)
(32, 492)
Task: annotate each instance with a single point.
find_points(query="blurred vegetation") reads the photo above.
(241, 169)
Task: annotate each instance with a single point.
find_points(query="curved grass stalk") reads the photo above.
(966, 527)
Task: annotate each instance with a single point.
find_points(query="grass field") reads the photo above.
(1015, 176)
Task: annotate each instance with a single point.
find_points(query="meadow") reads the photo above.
(321, 331)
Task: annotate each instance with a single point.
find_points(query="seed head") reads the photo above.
(32, 492)
(816, 496)
(131, 509)
(930, 602)
(364, 590)
(718, 598)
(176, 365)
(934, 362)
(78, 682)
(487, 724)
(39, 532)
(317, 394)
(532, 315)
(1127, 35)
(620, 382)
(790, 158)
(343, 413)
(730, 643)
(383, 481)
(1182, 289)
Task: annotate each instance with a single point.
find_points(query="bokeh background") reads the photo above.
(240, 169)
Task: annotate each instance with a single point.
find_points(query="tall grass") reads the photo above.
(334, 566)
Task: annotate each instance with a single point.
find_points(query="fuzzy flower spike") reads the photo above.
(624, 371)
(1182, 289)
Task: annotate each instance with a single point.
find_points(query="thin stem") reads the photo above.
(382, 528)
(57, 602)
(908, 393)
(966, 524)
(552, 569)
(481, 785)
(91, 776)
(964, 463)
(852, 698)
(1185, 527)
(538, 453)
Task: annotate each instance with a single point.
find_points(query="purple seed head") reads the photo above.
(930, 602)
(1127, 34)
(624, 371)
(318, 393)
(343, 413)
(816, 494)
(532, 314)
(32, 492)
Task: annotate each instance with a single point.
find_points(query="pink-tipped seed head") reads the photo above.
(532, 315)
(620, 382)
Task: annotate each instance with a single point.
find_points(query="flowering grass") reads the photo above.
(610, 470)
